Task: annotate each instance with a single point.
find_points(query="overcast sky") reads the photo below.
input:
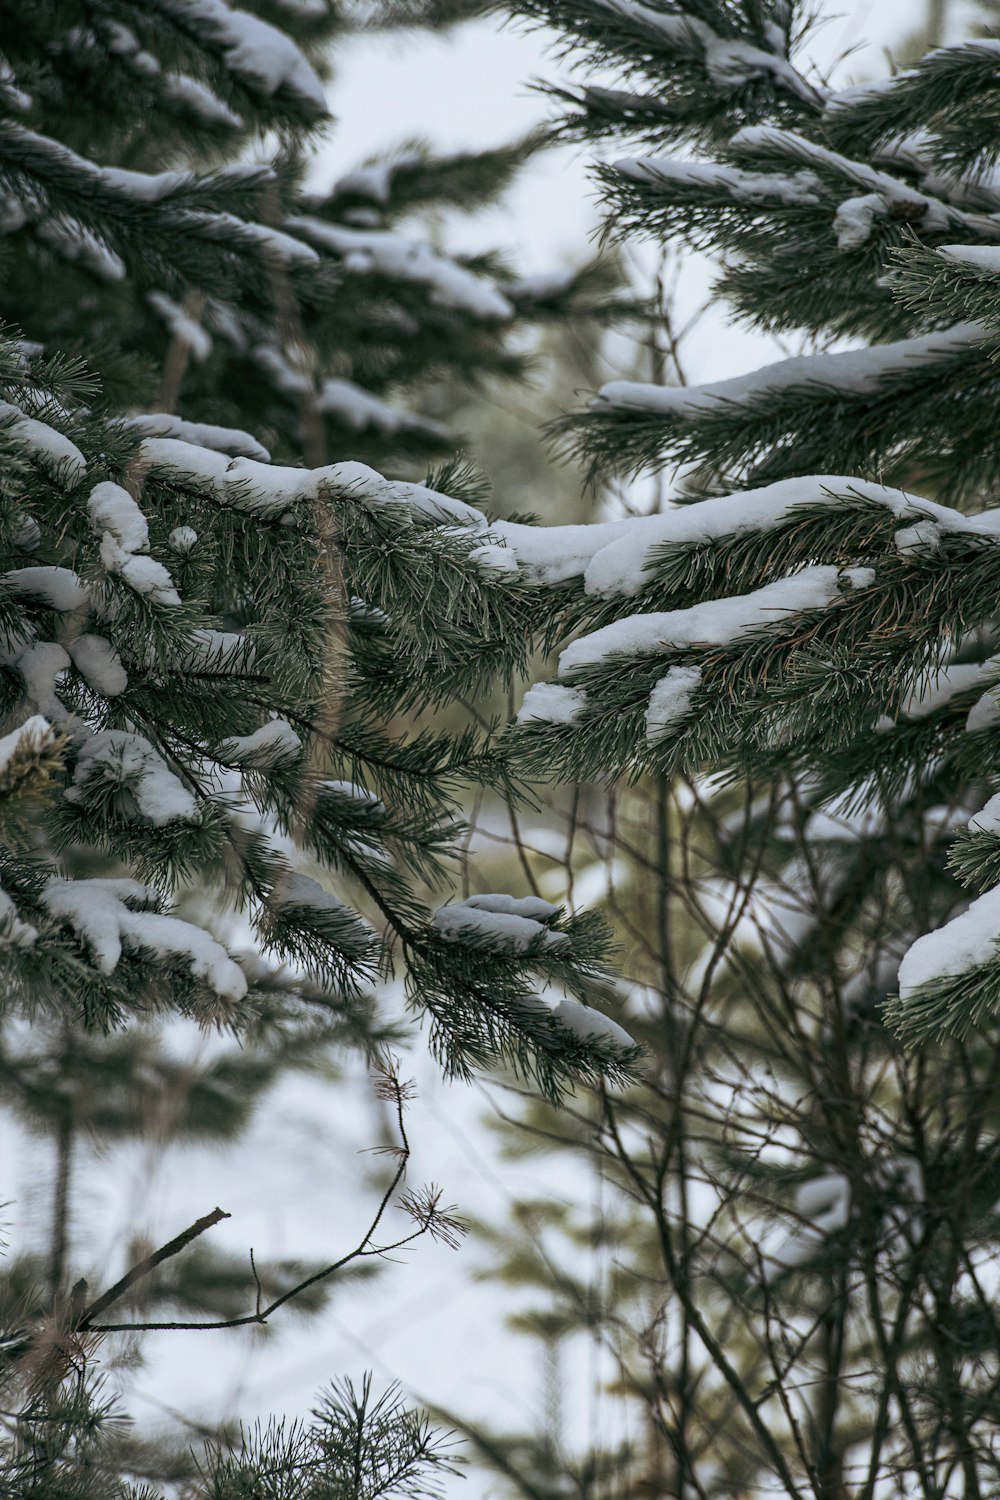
(473, 88)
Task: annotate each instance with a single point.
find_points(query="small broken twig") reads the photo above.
(430, 1219)
(144, 1267)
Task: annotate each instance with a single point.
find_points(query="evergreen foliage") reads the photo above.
(244, 545)
(356, 1445)
(786, 684)
(206, 656)
(212, 650)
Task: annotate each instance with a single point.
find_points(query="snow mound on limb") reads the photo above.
(670, 700)
(124, 543)
(716, 622)
(384, 252)
(880, 193)
(274, 742)
(551, 703)
(795, 188)
(532, 907)
(984, 258)
(938, 688)
(591, 1025)
(967, 942)
(299, 895)
(852, 372)
(229, 440)
(99, 664)
(987, 819)
(362, 411)
(263, 58)
(501, 924)
(614, 558)
(129, 762)
(273, 489)
(60, 588)
(50, 449)
(39, 665)
(730, 62)
(112, 916)
(182, 326)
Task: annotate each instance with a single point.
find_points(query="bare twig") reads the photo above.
(428, 1222)
(144, 1267)
(260, 1289)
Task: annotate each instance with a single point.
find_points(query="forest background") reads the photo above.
(433, 1321)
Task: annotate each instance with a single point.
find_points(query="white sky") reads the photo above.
(293, 1185)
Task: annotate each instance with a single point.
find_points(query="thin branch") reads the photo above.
(144, 1267)
(362, 1250)
(260, 1289)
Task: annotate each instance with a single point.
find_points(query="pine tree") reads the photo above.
(788, 679)
(202, 649)
(323, 342)
(143, 341)
(190, 86)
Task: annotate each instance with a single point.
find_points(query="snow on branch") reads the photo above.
(853, 372)
(616, 558)
(112, 916)
(263, 58)
(383, 252)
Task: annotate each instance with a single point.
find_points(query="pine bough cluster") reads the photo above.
(188, 652)
(211, 608)
(824, 615)
(214, 637)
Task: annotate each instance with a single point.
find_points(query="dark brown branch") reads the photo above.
(362, 1250)
(144, 1267)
